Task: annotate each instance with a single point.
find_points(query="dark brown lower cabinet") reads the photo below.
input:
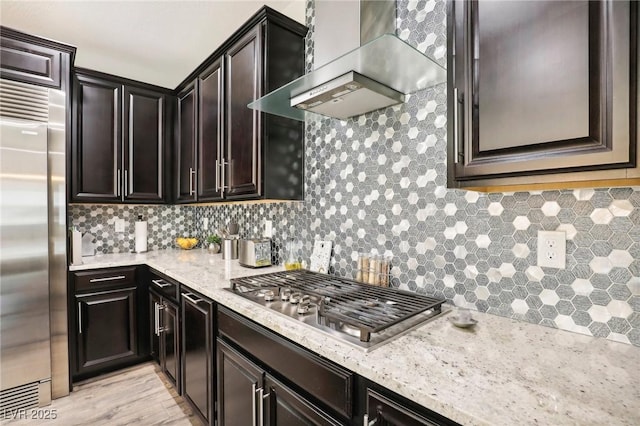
(107, 320)
(248, 395)
(165, 327)
(238, 382)
(278, 383)
(106, 328)
(197, 353)
(264, 379)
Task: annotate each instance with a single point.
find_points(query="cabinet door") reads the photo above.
(210, 106)
(186, 145)
(238, 382)
(30, 63)
(541, 86)
(169, 327)
(106, 328)
(144, 124)
(154, 325)
(197, 355)
(96, 137)
(283, 406)
(243, 70)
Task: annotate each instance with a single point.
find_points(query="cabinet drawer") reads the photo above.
(99, 279)
(164, 286)
(321, 379)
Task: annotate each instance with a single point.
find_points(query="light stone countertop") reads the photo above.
(502, 372)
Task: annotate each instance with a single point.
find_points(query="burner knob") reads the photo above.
(285, 294)
(295, 298)
(269, 295)
(304, 305)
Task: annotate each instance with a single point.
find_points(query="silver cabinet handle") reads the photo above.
(224, 175)
(192, 186)
(97, 280)
(366, 422)
(160, 284)
(161, 307)
(253, 403)
(118, 183)
(156, 318)
(261, 399)
(456, 141)
(217, 175)
(188, 297)
(79, 318)
(126, 183)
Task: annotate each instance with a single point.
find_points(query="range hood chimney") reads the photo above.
(359, 64)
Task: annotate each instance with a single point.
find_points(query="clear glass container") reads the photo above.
(292, 262)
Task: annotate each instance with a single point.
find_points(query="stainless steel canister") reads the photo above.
(230, 249)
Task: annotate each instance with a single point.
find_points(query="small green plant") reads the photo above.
(214, 239)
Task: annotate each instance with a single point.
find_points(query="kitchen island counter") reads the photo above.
(502, 371)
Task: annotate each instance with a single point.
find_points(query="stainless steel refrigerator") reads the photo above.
(33, 259)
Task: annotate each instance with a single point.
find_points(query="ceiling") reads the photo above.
(158, 42)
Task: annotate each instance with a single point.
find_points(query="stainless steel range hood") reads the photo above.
(359, 65)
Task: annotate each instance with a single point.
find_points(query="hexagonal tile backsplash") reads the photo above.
(377, 183)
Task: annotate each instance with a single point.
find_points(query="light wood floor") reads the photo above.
(139, 395)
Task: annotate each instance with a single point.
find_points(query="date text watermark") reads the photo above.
(29, 414)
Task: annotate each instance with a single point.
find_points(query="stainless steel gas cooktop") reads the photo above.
(362, 314)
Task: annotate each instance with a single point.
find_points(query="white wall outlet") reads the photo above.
(205, 223)
(119, 223)
(268, 229)
(552, 249)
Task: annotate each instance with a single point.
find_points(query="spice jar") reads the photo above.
(385, 269)
(363, 268)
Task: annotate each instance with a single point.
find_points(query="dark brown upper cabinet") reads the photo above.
(118, 140)
(241, 153)
(210, 131)
(97, 148)
(243, 139)
(33, 60)
(540, 87)
(199, 145)
(144, 144)
(186, 133)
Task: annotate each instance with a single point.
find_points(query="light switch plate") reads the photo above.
(268, 229)
(119, 223)
(552, 249)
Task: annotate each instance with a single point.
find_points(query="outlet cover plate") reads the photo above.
(119, 224)
(552, 249)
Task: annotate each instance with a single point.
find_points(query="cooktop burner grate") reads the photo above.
(366, 308)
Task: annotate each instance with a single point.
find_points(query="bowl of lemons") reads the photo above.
(186, 243)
